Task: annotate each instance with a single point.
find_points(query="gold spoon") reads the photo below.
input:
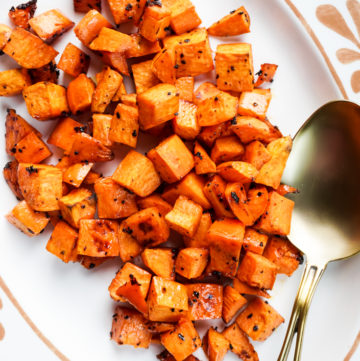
(324, 166)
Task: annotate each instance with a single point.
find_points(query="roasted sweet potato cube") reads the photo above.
(239, 343)
(236, 23)
(5, 33)
(234, 67)
(226, 149)
(225, 237)
(215, 345)
(237, 172)
(21, 15)
(172, 159)
(124, 127)
(144, 78)
(185, 216)
(27, 220)
(255, 241)
(74, 61)
(155, 200)
(142, 47)
(129, 328)
(215, 192)
(257, 271)
(128, 246)
(163, 66)
(257, 201)
(192, 53)
(185, 124)
(137, 173)
(233, 301)
(63, 242)
(266, 74)
(208, 135)
(13, 81)
(148, 227)
(244, 289)
(154, 22)
(277, 216)
(129, 99)
(191, 262)
(126, 10)
(236, 197)
(157, 105)
(98, 238)
(283, 254)
(185, 88)
(199, 239)
(182, 341)
(167, 300)
(203, 91)
(83, 6)
(259, 320)
(285, 189)
(116, 60)
(28, 50)
(254, 103)
(256, 154)
(271, 172)
(76, 173)
(80, 94)
(48, 72)
(114, 201)
(203, 163)
(76, 205)
(91, 178)
(90, 26)
(160, 261)
(91, 262)
(217, 109)
(112, 41)
(46, 100)
(101, 128)
(10, 176)
(41, 186)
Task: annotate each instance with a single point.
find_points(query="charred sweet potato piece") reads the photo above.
(50, 25)
(239, 343)
(28, 50)
(191, 262)
(254, 103)
(254, 241)
(126, 10)
(13, 81)
(233, 301)
(236, 23)
(98, 238)
(46, 100)
(5, 33)
(185, 124)
(101, 128)
(163, 66)
(215, 345)
(237, 171)
(112, 41)
(10, 176)
(172, 159)
(31, 149)
(114, 201)
(257, 271)
(155, 200)
(266, 74)
(154, 22)
(124, 127)
(116, 60)
(41, 186)
(89, 26)
(203, 163)
(21, 15)
(199, 239)
(128, 328)
(185, 88)
(137, 173)
(128, 247)
(91, 262)
(142, 47)
(88, 149)
(208, 135)
(256, 154)
(167, 300)
(27, 220)
(182, 341)
(226, 149)
(144, 78)
(283, 254)
(259, 320)
(76, 205)
(83, 6)
(257, 201)
(203, 91)
(244, 289)
(160, 261)
(63, 242)
(48, 72)
(74, 61)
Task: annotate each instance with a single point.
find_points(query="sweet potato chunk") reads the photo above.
(46, 100)
(285, 189)
(163, 66)
(226, 149)
(50, 25)
(233, 301)
(266, 74)
(234, 67)
(74, 61)
(185, 88)
(98, 238)
(155, 200)
(204, 90)
(259, 320)
(205, 301)
(128, 246)
(236, 23)
(144, 78)
(137, 173)
(244, 289)
(21, 15)
(101, 128)
(63, 242)
(154, 22)
(185, 124)
(256, 154)
(142, 47)
(172, 159)
(160, 261)
(27, 220)
(80, 94)
(114, 201)
(126, 10)
(91, 262)
(48, 72)
(257, 271)
(116, 60)
(128, 328)
(237, 171)
(83, 6)
(283, 254)
(10, 176)
(215, 345)
(13, 81)
(182, 341)
(5, 33)
(191, 262)
(203, 163)
(76, 205)
(167, 300)
(257, 201)
(200, 237)
(208, 135)
(41, 186)
(28, 50)
(255, 241)
(90, 26)
(112, 41)
(254, 103)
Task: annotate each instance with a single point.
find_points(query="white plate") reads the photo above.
(71, 305)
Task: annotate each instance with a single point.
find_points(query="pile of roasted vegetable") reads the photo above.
(214, 177)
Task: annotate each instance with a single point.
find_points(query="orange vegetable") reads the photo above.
(116, 60)
(128, 247)
(245, 289)
(185, 124)
(91, 178)
(160, 261)
(142, 47)
(76, 173)
(255, 241)
(191, 262)
(13, 81)
(129, 99)
(215, 345)
(112, 41)
(237, 172)
(226, 149)
(83, 6)
(144, 78)
(101, 128)
(163, 66)
(185, 88)
(204, 91)
(203, 163)
(21, 15)
(74, 61)
(257, 201)
(155, 200)
(256, 154)
(10, 176)
(208, 135)
(47, 72)
(91, 262)
(199, 239)
(154, 22)
(126, 10)
(254, 103)
(5, 33)
(285, 189)
(266, 74)
(80, 94)
(233, 301)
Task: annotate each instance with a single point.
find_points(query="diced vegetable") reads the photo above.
(154, 22)
(74, 61)
(191, 262)
(160, 261)
(215, 345)
(10, 176)
(21, 15)
(233, 301)
(13, 81)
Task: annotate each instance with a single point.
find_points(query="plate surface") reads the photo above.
(71, 305)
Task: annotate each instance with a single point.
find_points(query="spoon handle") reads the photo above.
(310, 279)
